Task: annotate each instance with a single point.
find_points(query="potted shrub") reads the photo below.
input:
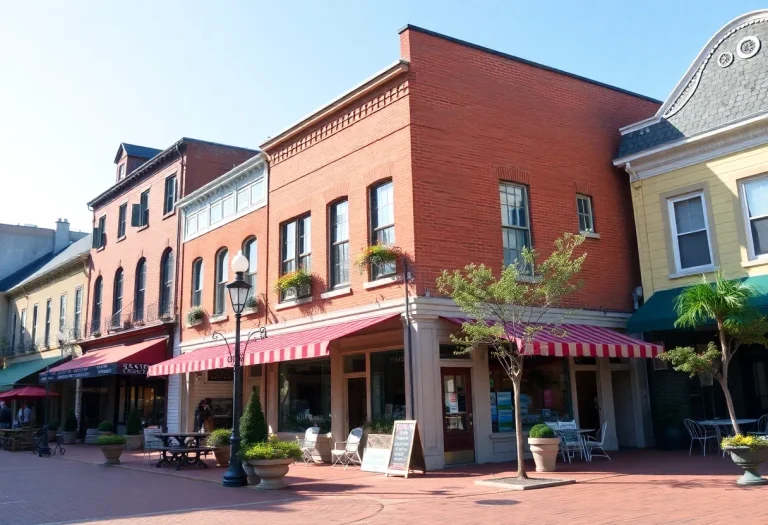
(294, 284)
(106, 428)
(378, 433)
(270, 461)
(69, 429)
(377, 254)
(111, 446)
(667, 422)
(53, 426)
(133, 430)
(253, 429)
(195, 316)
(748, 452)
(219, 439)
(544, 446)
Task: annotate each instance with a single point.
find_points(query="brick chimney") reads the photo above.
(61, 237)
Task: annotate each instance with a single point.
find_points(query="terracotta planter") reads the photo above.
(271, 472)
(133, 442)
(749, 460)
(253, 479)
(51, 436)
(544, 452)
(111, 454)
(222, 456)
(69, 437)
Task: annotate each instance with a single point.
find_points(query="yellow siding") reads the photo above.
(722, 176)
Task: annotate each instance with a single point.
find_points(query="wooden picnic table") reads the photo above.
(182, 439)
(14, 439)
(186, 451)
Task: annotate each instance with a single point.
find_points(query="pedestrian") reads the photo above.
(6, 416)
(25, 415)
(202, 416)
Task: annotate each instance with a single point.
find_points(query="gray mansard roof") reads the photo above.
(726, 84)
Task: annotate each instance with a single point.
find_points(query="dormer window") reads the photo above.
(121, 172)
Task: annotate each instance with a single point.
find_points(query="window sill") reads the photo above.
(384, 281)
(502, 436)
(249, 311)
(754, 262)
(169, 214)
(338, 292)
(688, 273)
(120, 239)
(590, 235)
(291, 304)
(218, 318)
(193, 324)
(100, 248)
(142, 228)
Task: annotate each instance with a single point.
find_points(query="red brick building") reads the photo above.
(130, 309)
(455, 154)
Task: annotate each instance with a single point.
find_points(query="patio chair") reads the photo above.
(570, 440)
(151, 442)
(761, 427)
(350, 452)
(701, 434)
(309, 445)
(591, 444)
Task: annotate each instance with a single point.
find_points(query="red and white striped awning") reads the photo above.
(305, 344)
(579, 340)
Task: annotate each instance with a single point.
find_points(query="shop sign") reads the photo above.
(97, 371)
(406, 453)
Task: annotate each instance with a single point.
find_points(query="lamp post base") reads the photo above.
(43, 449)
(235, 475)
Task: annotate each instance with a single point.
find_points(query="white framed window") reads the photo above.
(202, 219)
(228, 205)
(754, 204)
(197, 282)
(515, 222)
(690, 232)
(215, 211)
(257, 191)
(584, 211)
(243, 198)
(192, 224)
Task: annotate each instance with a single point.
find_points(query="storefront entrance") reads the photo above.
(458, 421)
(588, 399)
(357, 402)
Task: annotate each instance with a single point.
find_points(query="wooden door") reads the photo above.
(458, 422)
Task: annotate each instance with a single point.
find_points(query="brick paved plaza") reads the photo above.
(636, 487)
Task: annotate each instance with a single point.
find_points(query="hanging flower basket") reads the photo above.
(195, 316)
(376, 254)
(299, 280)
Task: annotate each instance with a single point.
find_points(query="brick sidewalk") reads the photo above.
(637, 487)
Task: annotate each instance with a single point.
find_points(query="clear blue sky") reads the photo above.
(78, 78)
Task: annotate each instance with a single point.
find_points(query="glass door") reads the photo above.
(357, 402)
(458, 425)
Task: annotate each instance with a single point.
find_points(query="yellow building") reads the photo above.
(698, 170)
(46, 317)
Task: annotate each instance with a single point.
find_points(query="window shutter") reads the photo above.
(96, 240)
(135, 215)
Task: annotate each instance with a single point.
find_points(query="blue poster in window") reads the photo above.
(505, 412)
(494, 413)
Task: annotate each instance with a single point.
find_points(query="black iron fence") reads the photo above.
(133, 316)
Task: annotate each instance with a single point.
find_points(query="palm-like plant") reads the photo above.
(726, 303)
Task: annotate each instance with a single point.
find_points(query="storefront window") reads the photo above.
(454, 352)
(304, 395)
(147, 395)
(545, 393)
(388, 385)
(354, 363)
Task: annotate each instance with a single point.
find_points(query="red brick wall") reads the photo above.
(478, 118)
(201, 164)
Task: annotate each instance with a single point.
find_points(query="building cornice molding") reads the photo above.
(255, 166)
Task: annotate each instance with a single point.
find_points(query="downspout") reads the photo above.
(410, 338)
(183, 395)
(265, 375)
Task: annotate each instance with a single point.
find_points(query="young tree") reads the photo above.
(507, 313)
(726, 304)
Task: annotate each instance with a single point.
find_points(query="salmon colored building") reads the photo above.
(455, 154)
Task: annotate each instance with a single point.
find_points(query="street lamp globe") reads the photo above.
(239, 289)
(240, 263)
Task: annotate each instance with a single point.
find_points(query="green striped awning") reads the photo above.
(17, 371)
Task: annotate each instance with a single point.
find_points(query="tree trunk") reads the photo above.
(729, 403)
(519, 427)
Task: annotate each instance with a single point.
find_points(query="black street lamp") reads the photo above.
(238, 295)
(44, 449)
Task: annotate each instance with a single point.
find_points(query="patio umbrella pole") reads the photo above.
(44, 449)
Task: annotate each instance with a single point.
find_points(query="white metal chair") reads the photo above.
(151, 442)
(761, 427)
(309, 445)
(591, 444)
(351, 451)
(700, 434)
(570, 440)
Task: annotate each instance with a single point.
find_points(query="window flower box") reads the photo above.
(380, 255)
(294, 285)
(195, 316)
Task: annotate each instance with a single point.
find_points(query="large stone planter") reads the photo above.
(271, 472)
(749, 460)
(69, 437)
(253, 479)
(544, 452)
(222, 456)
(91, 435)
(111, 454)
(133, 442)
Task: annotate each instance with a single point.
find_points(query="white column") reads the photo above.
(173, 418)
(338, 384)
(607, 412)
(422, 354)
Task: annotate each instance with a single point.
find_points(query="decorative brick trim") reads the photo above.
(349, 118)
(584, 188)
(334, 192)
(380, 172)
(513, 174)
(294, 209)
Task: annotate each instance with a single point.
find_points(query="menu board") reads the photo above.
(406, 453)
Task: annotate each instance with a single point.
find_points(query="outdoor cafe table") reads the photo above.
(583, 440)
(186, 451)
(717, 423)
(184, 439)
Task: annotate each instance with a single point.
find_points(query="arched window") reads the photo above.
(166, 283)
(97, 293)
(140, 291)
(117, 298)
(220, 297)
(197, 282)
(251, 252)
